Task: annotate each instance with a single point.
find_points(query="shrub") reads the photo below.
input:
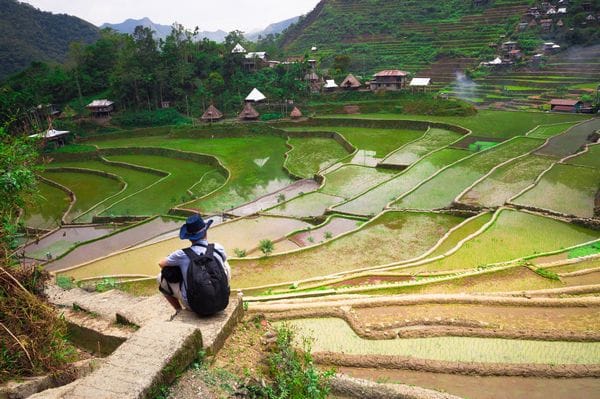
(106, 284)
(547, 274)
(292, 371)
(328, 235)
(270, 117)
(240, 253)
(266, 246)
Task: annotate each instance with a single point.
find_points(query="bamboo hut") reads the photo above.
(296, 113)
(249, 113)
(212, 114)
(350, 82)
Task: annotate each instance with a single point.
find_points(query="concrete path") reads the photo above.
(165, 344)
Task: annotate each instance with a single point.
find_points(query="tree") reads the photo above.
(266, 246)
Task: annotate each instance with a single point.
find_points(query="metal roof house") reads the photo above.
(389, 80)
(101, 108)
(560, 105)
(255, 96)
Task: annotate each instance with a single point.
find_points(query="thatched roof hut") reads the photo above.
(350, 82)
(296, 113)
(212, 114)
(249, 113)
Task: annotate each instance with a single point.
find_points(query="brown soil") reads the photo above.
(476, 387)
(509, 319)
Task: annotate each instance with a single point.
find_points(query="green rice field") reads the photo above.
(167, 192)
(391, 237)
(486, 123)
(440, 191)
(506, 181)
(350, 180)
(310, 155)
(376, 199)
(471, 226)
(90, 189)
(566, 189)
(591, 158)
(412, 152)
(513, 235)
(546, 131)
(254, 162)
(382, 141)
(449, 349)
(47, 207)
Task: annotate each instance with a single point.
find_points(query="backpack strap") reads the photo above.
(214, 250)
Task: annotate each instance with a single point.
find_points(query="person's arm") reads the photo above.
(164, 262)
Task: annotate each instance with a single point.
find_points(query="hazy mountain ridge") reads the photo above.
(29, 34)
(161, 31)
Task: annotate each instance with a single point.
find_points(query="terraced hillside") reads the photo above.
(407, 35)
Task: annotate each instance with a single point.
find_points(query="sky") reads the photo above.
(245, 15)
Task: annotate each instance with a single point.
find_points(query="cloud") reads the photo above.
(228, 15)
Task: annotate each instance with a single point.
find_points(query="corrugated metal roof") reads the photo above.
(330, 84)
(391, 72)
(51, 134)
(100, 103)
(255, 95)
(420, 82)
(569, 103)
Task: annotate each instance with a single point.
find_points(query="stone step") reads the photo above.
(66, 298)
(107, 304)
(155, 307)
(154, 355)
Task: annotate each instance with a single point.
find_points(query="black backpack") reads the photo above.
(207, 286)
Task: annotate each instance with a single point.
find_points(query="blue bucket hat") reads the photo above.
(194, 228)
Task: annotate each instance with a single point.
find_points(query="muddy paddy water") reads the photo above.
(244, 233)
(475, 387)
(332, 228)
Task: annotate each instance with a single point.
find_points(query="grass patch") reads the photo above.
(412, 152)
(350, 180)
(310, 155)
(543, 132)
(587, 250)
(549, 274)
(308, 205)
(74, 149)
(591, 158)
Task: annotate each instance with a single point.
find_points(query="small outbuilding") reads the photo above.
(420, 84)
(350, 83)
(561, 105)
(212, 114)
(255, 96)
(296, 113)
(249, 113)
(59, 137)
(101, 108)
(330, 85)
(238, 49)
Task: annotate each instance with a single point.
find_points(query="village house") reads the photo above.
(256, 60)
(238, 49)
(330, 85)
(248, 113)
(515, 55)
(509, 46)
(53, 136)
(212, 114)
(389, 80)
(101, 108)
(560, 105)
(546, 24)
(350, 83)
(296, 113)
(255, 96)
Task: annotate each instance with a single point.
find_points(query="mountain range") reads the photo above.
(29, 34)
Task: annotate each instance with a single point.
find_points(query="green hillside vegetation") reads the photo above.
(29, 34)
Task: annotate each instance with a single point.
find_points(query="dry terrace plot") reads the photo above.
(440, 191)
(412, 152)
(243, 233)
(513, 235)
(566, 189)
(376, 199)
(506, 181)
(451, 349)
(382, 141)
(391, 237)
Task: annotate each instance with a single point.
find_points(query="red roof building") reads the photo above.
(392, 79)
(560, 105)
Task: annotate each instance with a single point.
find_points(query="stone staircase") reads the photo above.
(165, 343)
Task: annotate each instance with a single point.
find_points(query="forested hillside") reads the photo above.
(29, 34)
(402, 34)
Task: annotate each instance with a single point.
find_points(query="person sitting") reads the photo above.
(174, 278)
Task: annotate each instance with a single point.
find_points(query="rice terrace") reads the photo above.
(428, 242)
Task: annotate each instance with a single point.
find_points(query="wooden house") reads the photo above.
(212, 114)
(296, 113)
(249, 113)
(314, 81)
(350, 83)
(546, 24)
(256, 60)
(515, 55)
(420, 84)
(509, 46)
(52, 136)
(389, 80)
(560, 105)
(101, 108)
